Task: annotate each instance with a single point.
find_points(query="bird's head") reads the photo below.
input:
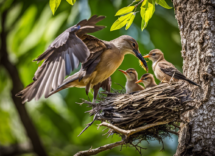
(146, 79)
(129, 45)
(154, 55)
(130, 74)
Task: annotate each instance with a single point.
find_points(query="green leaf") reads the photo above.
(130, 21)
(149, 11)
(146, 13)
(163, 4)
(72, 2)
(121, 22)
(125, 10)
(144, 4)
(54, 4)
(142, 13)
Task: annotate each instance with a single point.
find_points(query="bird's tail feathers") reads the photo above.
(191, 82)
(68, 82)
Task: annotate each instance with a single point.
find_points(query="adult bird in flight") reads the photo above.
(99, 59)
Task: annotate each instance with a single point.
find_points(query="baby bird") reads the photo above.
(148, 80)
(131, 75)
(165, 70)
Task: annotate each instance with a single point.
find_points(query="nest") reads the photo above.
(162, 103)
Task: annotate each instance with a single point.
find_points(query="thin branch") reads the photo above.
(127, 133)
(173, 132)
(139, 3)
(99, 149)
(132, 131)
(88, 125)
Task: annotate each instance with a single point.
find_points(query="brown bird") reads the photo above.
(165, 70)
(148, 80)
(131, 76)
(99, 59)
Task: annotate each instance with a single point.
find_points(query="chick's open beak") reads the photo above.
(146, 56)
(139, 81)
(140, 57)
(124, 72)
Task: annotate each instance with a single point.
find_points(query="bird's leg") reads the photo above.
(94, 100)
(88, 97)
(96, 90)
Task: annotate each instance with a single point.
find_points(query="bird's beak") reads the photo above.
(139, 81)
(124, 72)
(146, 56)
(140, 57)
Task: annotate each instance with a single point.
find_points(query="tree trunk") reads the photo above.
(16, 87)
(196, 20)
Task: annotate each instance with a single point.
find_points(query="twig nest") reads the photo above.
(162, 103)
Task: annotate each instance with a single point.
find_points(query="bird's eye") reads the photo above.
(130, 72)
(153, 54)
(146, 78)
(133, 44)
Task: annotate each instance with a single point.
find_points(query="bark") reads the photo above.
(196, 20)
(16, 87)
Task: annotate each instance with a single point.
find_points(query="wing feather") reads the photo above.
(170, 70)
(62, 56)
(55, 79)
(49, 87)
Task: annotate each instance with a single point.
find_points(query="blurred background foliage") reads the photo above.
(31, 28)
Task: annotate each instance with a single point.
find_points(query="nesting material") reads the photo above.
(165, 102)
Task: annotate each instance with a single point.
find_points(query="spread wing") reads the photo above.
(64, 55)
(170, 70)
(96, 47)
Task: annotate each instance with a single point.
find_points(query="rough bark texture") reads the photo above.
(196, 20)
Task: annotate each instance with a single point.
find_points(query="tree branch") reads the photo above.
(99, 149)
(126, 133)
(16, 87)
(132, 131)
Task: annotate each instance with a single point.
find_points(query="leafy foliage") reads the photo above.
(54, 4)
(147, 10)
(72, 2)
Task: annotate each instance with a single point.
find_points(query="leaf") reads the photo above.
(125, 10)
(163, 4)
(121, 22)
(146, 13)
(54, 4)
(130, 21)
(142, 13)
(149, 11)
(72, 2)
(144, 4)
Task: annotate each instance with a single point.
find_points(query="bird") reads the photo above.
(164, 70)
(131, 76)
(148, 80)
(98, 59)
